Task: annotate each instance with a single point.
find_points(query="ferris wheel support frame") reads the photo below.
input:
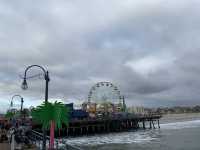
(107, 84)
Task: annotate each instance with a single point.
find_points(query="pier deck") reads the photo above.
(5, 146)
(109, 124)
(91, 126)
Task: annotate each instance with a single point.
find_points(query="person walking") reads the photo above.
(12, 139)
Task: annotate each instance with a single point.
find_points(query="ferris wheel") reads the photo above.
(103, 92)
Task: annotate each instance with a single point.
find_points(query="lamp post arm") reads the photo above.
(16, 96)
(22, 100)
(45, 72)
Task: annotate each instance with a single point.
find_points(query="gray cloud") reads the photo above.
(149, 49)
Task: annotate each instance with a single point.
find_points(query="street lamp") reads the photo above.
(22, 101)
(24, 86)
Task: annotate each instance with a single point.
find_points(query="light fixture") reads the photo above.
(24, 85)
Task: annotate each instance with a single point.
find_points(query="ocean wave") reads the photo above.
(138, 136)
(113, 138)
(181, 125)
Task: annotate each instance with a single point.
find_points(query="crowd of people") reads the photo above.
(4, 127)
(14, 132)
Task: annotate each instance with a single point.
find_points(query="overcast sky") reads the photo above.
(149, 49)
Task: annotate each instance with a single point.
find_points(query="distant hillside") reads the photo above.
(174, 110)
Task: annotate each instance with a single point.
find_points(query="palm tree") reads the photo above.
(51, 116)
(9, 115)
(12, 114)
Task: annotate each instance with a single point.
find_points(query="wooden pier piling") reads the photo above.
(144, 125)
(158, 123)
(153, 124)
(106, 125)
(150, 126)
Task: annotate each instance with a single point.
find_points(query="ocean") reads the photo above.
(178, 132)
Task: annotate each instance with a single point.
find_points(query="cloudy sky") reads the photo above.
(149, 49)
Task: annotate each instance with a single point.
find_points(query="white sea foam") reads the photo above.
(181, 125)
(114, 138)
(140, 136)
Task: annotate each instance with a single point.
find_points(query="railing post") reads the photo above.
(158, 124)
(56, 144)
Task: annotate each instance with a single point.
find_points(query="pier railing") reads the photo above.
(106, 124)
(36, 138)
(121, 117)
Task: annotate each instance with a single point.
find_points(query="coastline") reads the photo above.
(180, 126)
(180, 117)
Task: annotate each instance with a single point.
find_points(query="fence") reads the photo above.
(37, 137)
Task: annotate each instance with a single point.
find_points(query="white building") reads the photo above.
(136, 110)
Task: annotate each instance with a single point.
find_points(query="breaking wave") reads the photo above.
(181, 125)
(139, 136)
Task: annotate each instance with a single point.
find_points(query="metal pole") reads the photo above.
(22, 101)
(46, 100)
(47, 86)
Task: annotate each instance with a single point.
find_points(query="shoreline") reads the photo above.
(180, 117)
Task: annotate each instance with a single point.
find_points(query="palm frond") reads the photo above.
(47, 112)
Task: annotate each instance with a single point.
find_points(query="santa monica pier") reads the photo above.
(104, 111)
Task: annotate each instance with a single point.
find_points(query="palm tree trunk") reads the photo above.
(52, 135)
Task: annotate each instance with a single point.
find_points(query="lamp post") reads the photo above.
(22, 101)
(25, 86)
